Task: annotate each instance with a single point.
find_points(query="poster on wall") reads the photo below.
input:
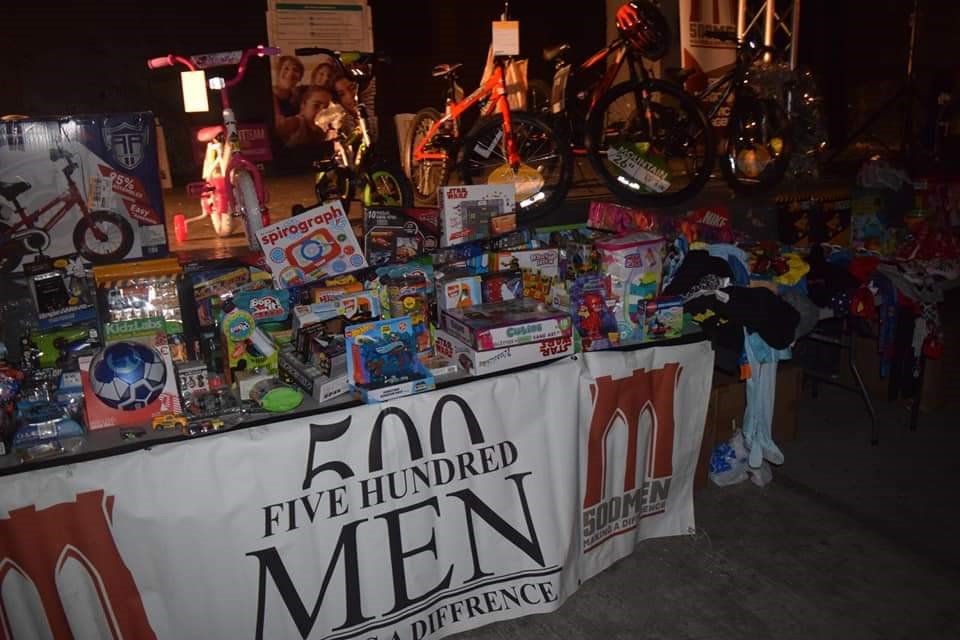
(411, 520)
(707, 57)
(304, 86)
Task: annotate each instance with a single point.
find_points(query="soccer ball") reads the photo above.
(128, 375)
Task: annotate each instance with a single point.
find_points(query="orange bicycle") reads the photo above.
(504, 147)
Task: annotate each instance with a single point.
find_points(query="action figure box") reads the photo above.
(316, 244)
(69, 179)
(394, 234)
(382, 360)
(593, 318)
(662, 318)
(475, 212)
(478, 363)
(507, 324)
(132, 378)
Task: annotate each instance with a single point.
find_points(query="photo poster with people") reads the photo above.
(314, 103)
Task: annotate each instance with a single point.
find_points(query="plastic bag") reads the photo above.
(729, 461)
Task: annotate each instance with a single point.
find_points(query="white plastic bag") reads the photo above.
(729, 461)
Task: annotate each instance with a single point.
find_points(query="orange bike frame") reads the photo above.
(495, 86)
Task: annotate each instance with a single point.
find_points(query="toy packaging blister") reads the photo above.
(662, 318)
(478, 363)
(593, 318)
(321, 385)
(314, 245)
(475, 212)
(132, 378)
(632, 267)
(63, 294)
(316, 325)
(506, 324)
(270, 309)
(382, 360)
(409, 296)
(104, 167)
(393, 234)
(247, 345)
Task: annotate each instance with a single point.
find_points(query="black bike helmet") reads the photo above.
(642, 24)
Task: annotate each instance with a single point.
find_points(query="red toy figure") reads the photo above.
(591, 318)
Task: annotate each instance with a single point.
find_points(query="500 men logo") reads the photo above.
(69, 546)
(630, 415)
(446, 489)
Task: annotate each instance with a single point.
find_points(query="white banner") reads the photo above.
(415, 519)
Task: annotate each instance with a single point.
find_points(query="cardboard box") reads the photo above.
(105, 168)
(662, 318)
(475, 212)
(317, 244)
(506, 324)
(394, 234)
(478, 363)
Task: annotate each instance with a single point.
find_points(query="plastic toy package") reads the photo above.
(409, 296)
(502, 286)
(63, 294)
(592, 316)
(632, 267)
(311, 246)
(382, 360)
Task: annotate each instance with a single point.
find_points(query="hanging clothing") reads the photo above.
(761, 396)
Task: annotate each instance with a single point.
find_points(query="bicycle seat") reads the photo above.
(552, 53)
(10, 190)
(207, 134)
(722, 36)
(442, 70)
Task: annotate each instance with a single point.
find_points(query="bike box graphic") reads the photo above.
(65, 176)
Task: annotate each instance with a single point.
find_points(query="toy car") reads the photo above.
(202, 426)
(169, 421)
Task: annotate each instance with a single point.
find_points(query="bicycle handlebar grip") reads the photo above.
(157, 63)
(306, 51)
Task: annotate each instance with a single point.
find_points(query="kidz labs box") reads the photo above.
(506, 324)
(478, 363)
(392, 234)
(86, 185)
(316, 244)
(132, 378)
(478, 211)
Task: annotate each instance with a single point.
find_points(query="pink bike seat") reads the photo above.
(207, 134)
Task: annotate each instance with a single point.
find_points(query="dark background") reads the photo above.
(87, 57)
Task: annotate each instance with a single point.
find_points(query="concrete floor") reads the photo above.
(849, 541)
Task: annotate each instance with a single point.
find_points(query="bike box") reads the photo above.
(116, 171)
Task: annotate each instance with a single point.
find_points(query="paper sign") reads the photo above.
(506, 38)
(194, 85)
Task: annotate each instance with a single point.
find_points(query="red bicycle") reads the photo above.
(509, 147)
(101, 236)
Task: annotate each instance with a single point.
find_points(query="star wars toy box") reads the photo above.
(316, 244)
(662, 318)
(478, 363)
(506, 324)
(382, 360)
(132, 378)
(393, 234)
(474, 212)
(86, 185)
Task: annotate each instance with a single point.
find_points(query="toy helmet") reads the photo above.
(642, 24)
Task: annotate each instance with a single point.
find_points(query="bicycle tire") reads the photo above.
(755, 110)
(401, 186)
(85, 248)
(11, 253)
(248, 204)
(704, 145)
(529, 131)
(425, 183)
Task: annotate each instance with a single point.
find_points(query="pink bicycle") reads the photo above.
(231, 184)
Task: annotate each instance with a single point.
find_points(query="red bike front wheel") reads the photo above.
(103, 237)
